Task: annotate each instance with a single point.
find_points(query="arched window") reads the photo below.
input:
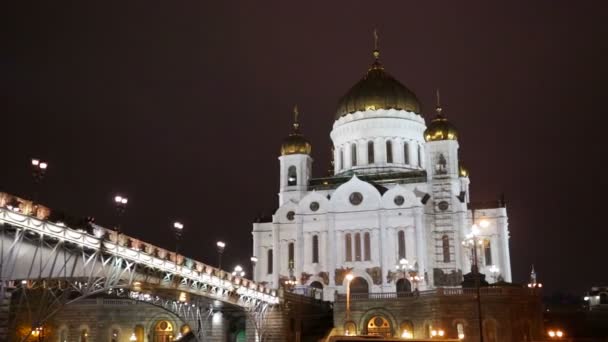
(487, 252)
(292, 176)
(115, 335)
(367, 245)
(401, 244)
(445, 240)
(269, 261)
(63, 334)
(419, 155)
(460, 330)
(370, 152)
(353, 154)
(341, 165)
(290, 255)
(315, 248)
(406, 153)
(348, 247)
(406, 329)
(84, 335)
(357, 247)
(389, 151)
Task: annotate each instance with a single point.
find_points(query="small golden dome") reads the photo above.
(295, 143)
(463, 172)
(440, 129)
(377, 90)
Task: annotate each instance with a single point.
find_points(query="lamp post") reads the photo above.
(120, 203)
(238, 271)
(221, 245)
(39, 168)
(409, 271)
(349, 278)
(472, 240)
(254, 261)
(178, 229)
(494, 270)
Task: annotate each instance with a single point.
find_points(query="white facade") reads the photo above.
(406, 199)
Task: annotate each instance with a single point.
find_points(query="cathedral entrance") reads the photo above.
(379, 326)
(403, 285)
(163, 332)
(359, 285)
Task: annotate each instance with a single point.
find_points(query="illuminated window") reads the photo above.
(401, 244)
(460, 330)
(348, 247)
(406, 153)
(291, 253)
(269, 261)
(370, 152)
(315, 248)
(353, 154)
(84, 335)
(292, 176)
(389, 151)
(487, 252)
(445, 240)
(357, 247)
(115, 335)
(406, 329)
(367, 244)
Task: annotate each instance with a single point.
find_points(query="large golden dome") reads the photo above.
(295, 143)
(377, 90)
(440, 129)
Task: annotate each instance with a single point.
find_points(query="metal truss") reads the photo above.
(46, 266)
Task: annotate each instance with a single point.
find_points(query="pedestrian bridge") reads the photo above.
(62, 264)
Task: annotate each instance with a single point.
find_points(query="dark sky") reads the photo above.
(182, 107)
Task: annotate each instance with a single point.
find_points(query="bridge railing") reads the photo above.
(33, 218)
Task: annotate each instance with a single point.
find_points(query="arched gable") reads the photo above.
(280, 216)
(390, 198)
(304, 207)
(345, 197)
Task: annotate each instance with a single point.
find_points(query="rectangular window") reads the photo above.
(357, 247)
(367, 244)
(353, 155)
(291, 253)
(348, 247)
(370, 152)
(389, 151)
(269, 261)
(401, 244)
(487, 252)
(406, 154)
(315, 249)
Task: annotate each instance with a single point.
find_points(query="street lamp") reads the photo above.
(178, 229)
(254, 261)
(133, 337)
(409, 271)
(349, 278)
(555, 334)
(473, 241)
(238, 271)
(120, 203)
(39, 168)
(221, 245)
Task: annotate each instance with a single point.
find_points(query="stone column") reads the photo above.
(421, 249)
(503, 227)
(384, 251)
(276, 252)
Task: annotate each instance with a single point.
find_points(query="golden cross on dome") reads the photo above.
(296, 114)
(438, 108)
(376, 51)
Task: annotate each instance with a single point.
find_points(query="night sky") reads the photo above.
(182, 107)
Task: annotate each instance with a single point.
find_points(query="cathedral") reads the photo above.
(396, 213)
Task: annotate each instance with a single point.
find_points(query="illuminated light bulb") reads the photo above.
(460, 336)
(484, 224)
(551, 333)
(559, 333)
(35, 162)
(350, 277)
